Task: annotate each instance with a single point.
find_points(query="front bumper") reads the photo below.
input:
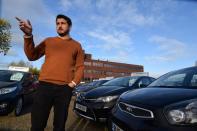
(7, 103)
(130, 123)
(95, 111)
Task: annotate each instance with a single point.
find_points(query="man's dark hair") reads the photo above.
(66, 18)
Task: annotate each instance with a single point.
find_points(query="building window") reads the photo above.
(109, 73)
(98, 64)
(87, 63)
(97, 72)
(88, 71)
(108, 65)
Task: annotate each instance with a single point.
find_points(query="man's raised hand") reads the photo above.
(25, 26)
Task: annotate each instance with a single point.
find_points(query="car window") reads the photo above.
(194, 80)
(172, 79)
(144, 81)
(131, 82)
(180, 78)
(175, 80)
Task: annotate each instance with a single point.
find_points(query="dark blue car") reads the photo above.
(97, 103)
(16, 89)
(168, 104)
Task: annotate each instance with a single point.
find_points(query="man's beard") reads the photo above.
(64, 34)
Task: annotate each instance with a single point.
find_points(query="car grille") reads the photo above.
(135, 111)
(81, 97)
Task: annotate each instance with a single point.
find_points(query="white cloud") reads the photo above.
(168, 49)
(76, 4)
(109, 13)
(118, 45)
(41, 19)
(67, 4)
(26, 9)
(36, 11)
(113, 40)
(122, 14)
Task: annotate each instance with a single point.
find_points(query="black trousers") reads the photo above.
(47, 96)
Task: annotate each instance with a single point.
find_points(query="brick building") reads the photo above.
(95, 69)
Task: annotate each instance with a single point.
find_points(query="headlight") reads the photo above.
(7, 90)
(106, 98)
(183, 113)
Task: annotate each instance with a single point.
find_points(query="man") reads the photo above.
(61, 72)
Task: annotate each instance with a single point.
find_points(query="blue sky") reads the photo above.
(158, 34)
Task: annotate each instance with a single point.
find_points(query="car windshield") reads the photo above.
(181, 79)
(122, 81)
(11, 76)
(92, 83)
(97, 83)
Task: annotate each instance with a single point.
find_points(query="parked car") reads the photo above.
(168, 104)
(16, 90)
(97, 103)
(88, 86)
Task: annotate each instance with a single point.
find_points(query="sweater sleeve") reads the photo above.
(33, 53)
(79, 66)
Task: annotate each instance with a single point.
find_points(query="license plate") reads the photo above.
(81, 107)
(116, 128)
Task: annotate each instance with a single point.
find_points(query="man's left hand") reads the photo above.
(71, 85)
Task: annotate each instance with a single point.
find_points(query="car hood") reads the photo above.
(105, 91)
(84, 88)
(7, 84)
(158, 97)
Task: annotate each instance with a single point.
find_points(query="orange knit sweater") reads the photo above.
(64, 59)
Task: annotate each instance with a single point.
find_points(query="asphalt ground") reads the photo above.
(74, 122)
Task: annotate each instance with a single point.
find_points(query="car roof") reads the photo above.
(184, 69)
(134, 77)
(190, 68)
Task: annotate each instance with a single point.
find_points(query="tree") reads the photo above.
(5, 36)
(21, 63)
(34, 71)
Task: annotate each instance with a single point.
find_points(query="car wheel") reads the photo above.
(19, 106)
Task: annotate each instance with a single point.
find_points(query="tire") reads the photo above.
(19, 106)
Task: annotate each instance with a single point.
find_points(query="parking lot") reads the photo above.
(74, 123)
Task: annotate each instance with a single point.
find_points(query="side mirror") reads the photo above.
(142, 85)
